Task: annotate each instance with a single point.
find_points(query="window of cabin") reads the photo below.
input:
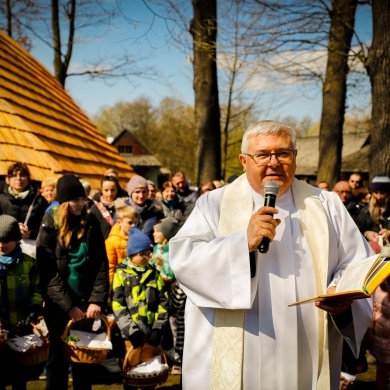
(125, 149)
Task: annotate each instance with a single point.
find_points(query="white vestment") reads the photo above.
(281, 349)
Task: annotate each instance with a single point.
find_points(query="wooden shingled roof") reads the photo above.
(352, 156)
(43, 127)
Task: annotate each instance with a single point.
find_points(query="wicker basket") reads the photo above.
(347, 381)
(3, 338)
(345, 384)
(82, 354)
(34, 355)
(148, 379)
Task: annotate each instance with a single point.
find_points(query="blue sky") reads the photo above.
(149, 38)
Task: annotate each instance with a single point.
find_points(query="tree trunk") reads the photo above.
(334, 90)
(9, 18)
(207, 114)
(379, 71)
(60, 61)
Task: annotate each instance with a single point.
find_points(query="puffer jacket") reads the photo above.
(54, 270)
(20, 292)
(378, 333)
(140, 299)
(18, 208)
(116, 247)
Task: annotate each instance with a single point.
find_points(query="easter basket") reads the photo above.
(346, 381)
(151, 372)
(29, 350)
(3, 338)
(78, 353)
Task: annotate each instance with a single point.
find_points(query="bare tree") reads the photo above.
(379, 70)
(207, 115)
(61, 60)
(58, 24)
(11, 10)
(334, 90)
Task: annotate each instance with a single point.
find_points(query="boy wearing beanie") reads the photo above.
(139, 297)
(163, 231)
(20, 297)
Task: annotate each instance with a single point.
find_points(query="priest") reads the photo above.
(240, 331)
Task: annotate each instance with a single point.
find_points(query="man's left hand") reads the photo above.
(334, 307)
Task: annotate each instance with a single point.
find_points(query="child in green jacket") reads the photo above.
(139, 296)
(20, 298)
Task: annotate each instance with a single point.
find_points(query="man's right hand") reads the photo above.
(262, 224)
(75, 313)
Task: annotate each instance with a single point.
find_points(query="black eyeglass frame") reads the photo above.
(276, 154)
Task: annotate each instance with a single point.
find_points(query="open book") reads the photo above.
(359, 280)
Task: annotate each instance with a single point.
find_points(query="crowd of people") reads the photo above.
(180, 270)
(68, 251)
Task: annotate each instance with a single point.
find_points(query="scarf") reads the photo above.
(171, 204)
(8, 259)
(20, 195)
(141, 209)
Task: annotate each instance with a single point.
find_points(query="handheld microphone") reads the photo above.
(271, 190)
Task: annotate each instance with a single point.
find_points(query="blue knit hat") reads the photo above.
(138, 242)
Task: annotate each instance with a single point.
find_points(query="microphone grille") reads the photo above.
(271, 188)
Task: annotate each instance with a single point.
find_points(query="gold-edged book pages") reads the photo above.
(359, 280)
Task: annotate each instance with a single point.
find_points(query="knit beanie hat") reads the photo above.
(380, 183)
(9, 229)
(136, 182)
(138, 242)
(168, 226)
(69, 187)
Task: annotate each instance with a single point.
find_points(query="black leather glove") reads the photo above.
(155, 337)
(136, 339)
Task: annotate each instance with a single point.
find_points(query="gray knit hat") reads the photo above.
(9, 229)
(168, 226)
(136, 182)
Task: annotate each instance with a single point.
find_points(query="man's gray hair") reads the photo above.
(264, 128)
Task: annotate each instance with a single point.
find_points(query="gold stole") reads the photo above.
(228, 339)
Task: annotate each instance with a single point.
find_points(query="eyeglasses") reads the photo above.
(283, 157)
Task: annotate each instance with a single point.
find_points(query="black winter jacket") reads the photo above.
(18, 208)
(54, 271)
(365, 222)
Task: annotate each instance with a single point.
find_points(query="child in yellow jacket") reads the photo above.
(116, 242)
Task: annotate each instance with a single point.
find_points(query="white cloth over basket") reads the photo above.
(153, 367)
(91, 340)
(24, 343)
